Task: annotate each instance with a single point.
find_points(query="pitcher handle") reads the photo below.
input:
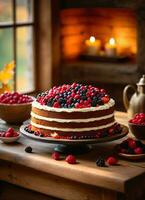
(125, 98)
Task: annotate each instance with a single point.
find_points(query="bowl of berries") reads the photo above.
(137, 125)
(9, 136)
(131, 149)
(15, 108)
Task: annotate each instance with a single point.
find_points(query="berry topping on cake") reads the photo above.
(74, 96)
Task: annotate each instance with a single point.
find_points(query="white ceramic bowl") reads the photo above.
(10, 139)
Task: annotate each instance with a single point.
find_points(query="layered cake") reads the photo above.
(73, 111)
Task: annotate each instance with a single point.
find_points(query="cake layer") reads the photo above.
(74, 132)
(85, 113)
(72, 125)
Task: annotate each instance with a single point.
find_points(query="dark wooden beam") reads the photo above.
(98, 3)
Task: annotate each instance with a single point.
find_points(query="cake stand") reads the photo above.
(73, 146)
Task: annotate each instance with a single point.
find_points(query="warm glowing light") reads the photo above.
(112, 41)
(92, 39)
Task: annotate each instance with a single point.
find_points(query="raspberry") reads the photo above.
(112, 160)
(8, 134)
(15, 134)
(132, 144)
(55, 156)
(10, 130)
(138, 150)
(71, 159)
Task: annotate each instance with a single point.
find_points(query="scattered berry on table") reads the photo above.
(28, 149)
(100, 162)
(112, 160)
(55, 156)
(71, 159)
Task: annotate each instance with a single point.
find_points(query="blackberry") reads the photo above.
(130, 151)
(28, 149)
(124, 145)
(104, 134)
(83, 97)
(100, 162)
(143, 148)
(139, 143)
(62, 101)
(94, 103)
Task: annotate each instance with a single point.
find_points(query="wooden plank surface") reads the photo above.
(114, 178)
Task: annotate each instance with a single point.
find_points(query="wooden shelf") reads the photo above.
(123, 73)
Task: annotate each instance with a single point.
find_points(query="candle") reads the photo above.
(110, 48)
(93, 46)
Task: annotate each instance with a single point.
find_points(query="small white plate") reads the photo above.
(9, 139)
(132, 156)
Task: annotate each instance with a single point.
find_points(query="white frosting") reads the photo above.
(106, 106)
(72, 129)
(71, 120)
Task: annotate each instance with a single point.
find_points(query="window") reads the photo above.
(16, 41)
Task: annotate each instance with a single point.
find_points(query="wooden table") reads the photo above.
(83, 181)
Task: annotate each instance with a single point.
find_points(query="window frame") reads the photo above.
(14, 25)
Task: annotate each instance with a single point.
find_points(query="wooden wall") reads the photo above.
(77, 25)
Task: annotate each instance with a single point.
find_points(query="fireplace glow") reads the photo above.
(81, 28)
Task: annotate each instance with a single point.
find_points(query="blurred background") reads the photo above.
(54, 42)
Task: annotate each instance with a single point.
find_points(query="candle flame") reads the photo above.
(112, 41)
(92, 39)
